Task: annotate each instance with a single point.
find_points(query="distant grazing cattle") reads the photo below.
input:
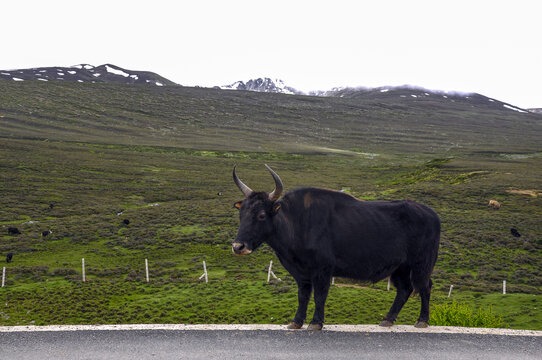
(9, 257)
(126, 222)
(494, 204)
(515, 233)
(45, 233)
(318, 234)
(13, 231)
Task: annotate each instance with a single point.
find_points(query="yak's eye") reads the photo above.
(261, 215)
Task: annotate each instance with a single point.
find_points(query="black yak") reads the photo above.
(13, 231)
(317, 234)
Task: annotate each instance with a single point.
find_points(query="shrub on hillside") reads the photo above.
(456, 314)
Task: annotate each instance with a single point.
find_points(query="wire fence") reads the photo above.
(205, 276)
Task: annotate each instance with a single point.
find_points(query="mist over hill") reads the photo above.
(278, 86)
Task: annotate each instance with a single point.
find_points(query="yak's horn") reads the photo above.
(244, 189)
(275, 194)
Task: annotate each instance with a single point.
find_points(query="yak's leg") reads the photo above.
(321, 285)
(425, 295)
(304, 290)
(401, 280)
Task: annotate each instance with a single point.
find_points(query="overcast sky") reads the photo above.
(490, 47)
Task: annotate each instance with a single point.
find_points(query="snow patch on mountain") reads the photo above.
(116, 71)
(83, 66)
(514, 108)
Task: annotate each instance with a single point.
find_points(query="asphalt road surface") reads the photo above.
(198, 343)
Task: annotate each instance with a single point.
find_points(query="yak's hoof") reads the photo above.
(386, 323)
(421, 324)
(294, 326)
(314, 327)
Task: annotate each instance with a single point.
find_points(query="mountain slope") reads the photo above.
(203, 118)
(86, 73)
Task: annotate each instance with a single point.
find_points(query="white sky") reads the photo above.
(490, 47)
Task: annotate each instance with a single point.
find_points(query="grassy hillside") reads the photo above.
(236, 120)
(80, 159)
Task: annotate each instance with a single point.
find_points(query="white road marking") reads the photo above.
(251, 327)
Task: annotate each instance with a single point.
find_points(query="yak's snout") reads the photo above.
(240, 249)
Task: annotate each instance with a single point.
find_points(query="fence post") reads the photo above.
(147, 269)
(450, 292)
(389, 280)
(83, 266)
(204, 275)
(504, 287)
(269, 271)
(332, 280)
(3, 276)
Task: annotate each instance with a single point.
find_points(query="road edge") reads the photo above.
(269, 327)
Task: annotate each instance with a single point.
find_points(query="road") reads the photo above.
(255, 343)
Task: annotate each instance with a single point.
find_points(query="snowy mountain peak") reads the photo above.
(262, 85)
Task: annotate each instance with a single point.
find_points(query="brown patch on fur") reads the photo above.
(307, 200)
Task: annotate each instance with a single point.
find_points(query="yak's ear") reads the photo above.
(276, 208)
(238, 205)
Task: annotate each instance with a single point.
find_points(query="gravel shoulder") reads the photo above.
(252, 327)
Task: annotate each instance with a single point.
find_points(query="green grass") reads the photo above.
(193, 223)
(78, 160)
(242, 301)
